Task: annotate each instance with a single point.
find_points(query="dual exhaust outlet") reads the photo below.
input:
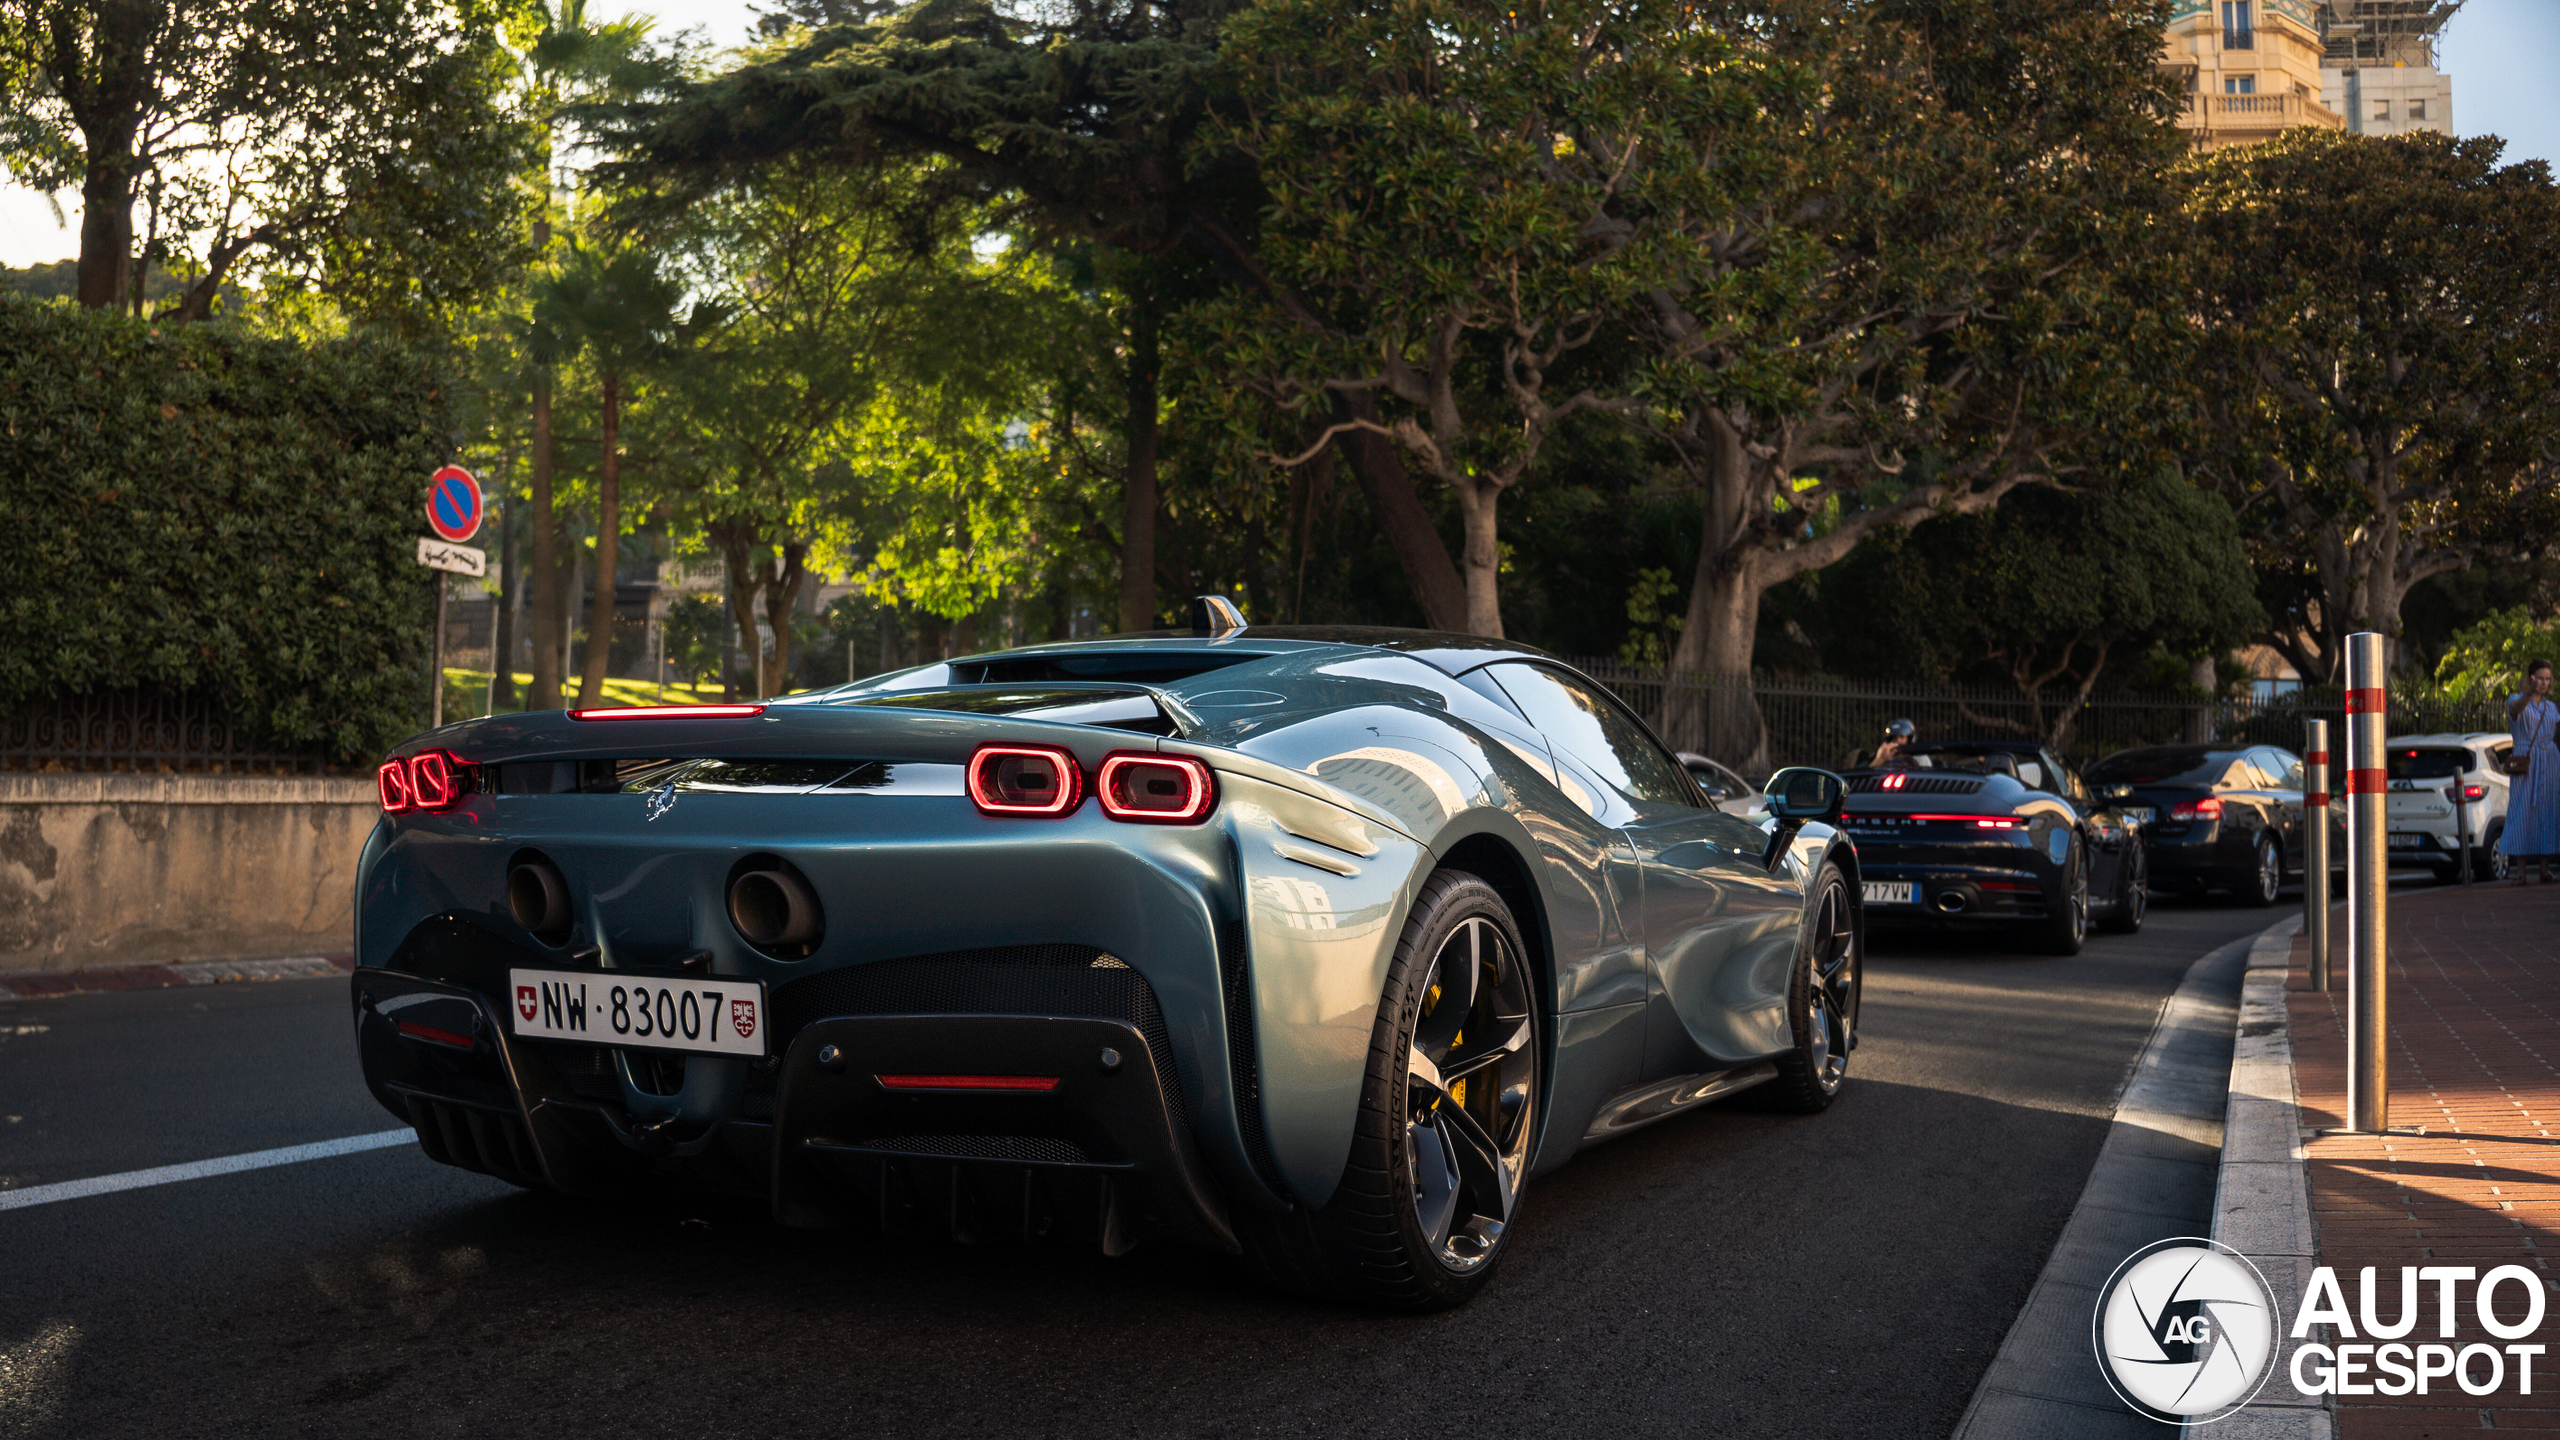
(770, 903)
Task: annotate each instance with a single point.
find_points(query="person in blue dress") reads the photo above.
(2532, 835)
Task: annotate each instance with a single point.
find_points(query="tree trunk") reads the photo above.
(1709, 705)
(1477, 506)
(1138, 494)
(502, 639)
(106, 91)
(545, 594)
(746, 580)
(608, 536)
(1398, 512)
(781, 593)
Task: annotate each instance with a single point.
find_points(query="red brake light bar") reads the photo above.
(1032, 1084)
(671, 712)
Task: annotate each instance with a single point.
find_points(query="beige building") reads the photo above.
(2253, 68)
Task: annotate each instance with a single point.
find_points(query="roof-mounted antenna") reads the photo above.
(1215, 616)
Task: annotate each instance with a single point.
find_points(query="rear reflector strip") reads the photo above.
(671, 712)
(416, 1031)
(1035, 1083)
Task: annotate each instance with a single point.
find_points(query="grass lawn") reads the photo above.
(466, 693)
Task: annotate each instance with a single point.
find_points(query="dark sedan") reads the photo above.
(2218, 817)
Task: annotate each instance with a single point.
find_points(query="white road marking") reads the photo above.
(200, 1169)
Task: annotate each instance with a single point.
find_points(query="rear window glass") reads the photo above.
(2163, 767)
(2425, 762)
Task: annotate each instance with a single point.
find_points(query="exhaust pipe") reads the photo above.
(1950, 902)
(539, 900)
(774, 910)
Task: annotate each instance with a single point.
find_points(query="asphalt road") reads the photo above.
(1727, 1272)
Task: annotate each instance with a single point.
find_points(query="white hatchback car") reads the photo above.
(2426, 828)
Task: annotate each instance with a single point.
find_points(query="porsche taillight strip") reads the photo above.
(671, 712)
(1984, 822)
(1014, 1084)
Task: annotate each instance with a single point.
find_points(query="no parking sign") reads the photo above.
(453, 504)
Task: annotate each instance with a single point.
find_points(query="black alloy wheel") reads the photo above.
(2133, 891)
(1448, 1108)
(1822, 1000)
(2067, 928)
(2266, 878)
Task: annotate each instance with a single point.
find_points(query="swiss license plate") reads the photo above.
(1888, 892)
(700, 1016)
(2139, 814)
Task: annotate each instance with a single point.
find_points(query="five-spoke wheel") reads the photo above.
(1822, 999)
(1467, 1096)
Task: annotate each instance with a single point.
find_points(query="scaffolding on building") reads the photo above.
(2360, 33)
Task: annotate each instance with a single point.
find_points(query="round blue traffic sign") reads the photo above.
(453, 504)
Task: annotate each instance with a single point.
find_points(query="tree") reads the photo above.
(825, 290)
(1944, 294)
(617, 308)
(2051, 592)
(1468, 199)
(1079, 122)
(566, 59)
(2379, 369)
(363, 145)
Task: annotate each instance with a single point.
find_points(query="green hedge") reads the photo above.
(199, 510)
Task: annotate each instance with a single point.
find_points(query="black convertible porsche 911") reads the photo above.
(1995, 833)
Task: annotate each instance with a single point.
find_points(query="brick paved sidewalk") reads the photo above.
(2475, 1061)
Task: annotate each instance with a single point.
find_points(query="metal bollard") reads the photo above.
(2461, 824)
(2315, 848)
(2368, 887)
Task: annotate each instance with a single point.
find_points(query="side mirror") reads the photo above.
(1802, 793)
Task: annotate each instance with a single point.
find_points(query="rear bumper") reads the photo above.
(1103, 1157)
(1961, 894)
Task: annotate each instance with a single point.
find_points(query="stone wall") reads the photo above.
(136, 869)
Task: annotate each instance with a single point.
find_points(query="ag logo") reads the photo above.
(662, 800)
(2184, 1330)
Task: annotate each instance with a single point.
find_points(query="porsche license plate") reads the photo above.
(699, 1016)
(1888, 892)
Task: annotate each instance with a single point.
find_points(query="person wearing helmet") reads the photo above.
(1895, 752)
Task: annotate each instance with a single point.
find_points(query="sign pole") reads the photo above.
(437, 721)
(2315, 849)
(2368, 889)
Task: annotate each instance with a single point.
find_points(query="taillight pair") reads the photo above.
(430, 780)
(1039, 781)
(2208, 808)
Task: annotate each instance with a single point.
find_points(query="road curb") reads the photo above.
(182, 972)
(2262, 1200)
(2166, 1135)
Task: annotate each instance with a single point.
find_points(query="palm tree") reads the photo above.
(618, 308)
(569, 60)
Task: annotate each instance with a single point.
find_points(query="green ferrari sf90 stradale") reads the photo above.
(1309, 945)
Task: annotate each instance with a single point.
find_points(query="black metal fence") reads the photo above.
(134, 730)
(1838, 723)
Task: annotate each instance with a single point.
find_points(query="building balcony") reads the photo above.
(2213, 121)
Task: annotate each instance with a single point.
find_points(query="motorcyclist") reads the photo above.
(1895, 752)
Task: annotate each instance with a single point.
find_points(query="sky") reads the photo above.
(2500, 53)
